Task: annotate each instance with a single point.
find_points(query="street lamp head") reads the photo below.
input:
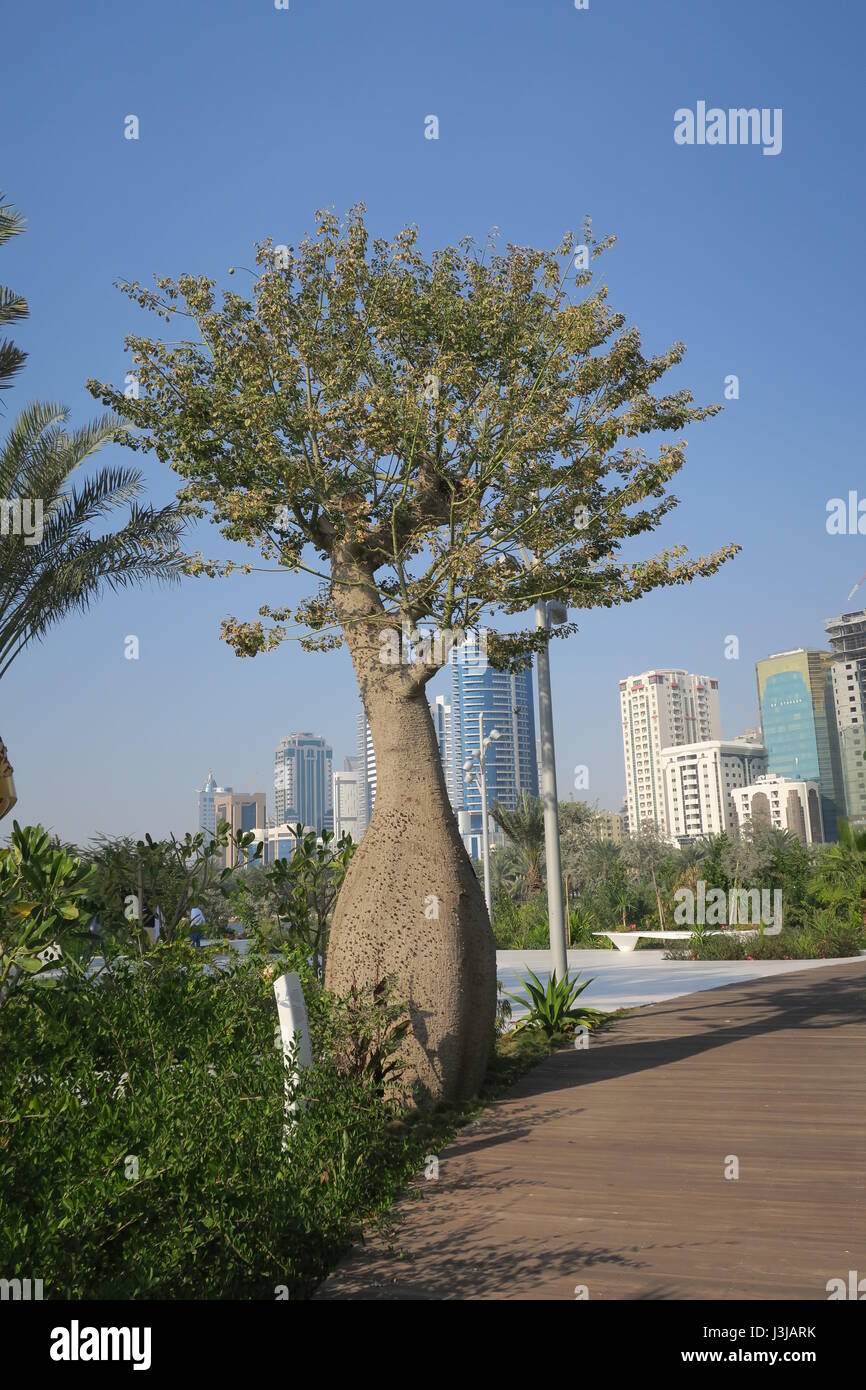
(467, 764)
(556, 612)
(494, 734)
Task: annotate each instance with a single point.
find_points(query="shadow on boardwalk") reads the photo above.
(605, 1170)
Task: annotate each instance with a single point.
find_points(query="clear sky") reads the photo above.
(251, 118)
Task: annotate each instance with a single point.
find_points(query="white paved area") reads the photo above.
(624, 981)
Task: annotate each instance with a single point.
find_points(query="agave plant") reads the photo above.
(552, 1007)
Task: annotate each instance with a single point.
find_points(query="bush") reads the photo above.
(42, 913)
(141, 1128)
(521, 926)
(825, 938)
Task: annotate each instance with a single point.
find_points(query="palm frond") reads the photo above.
(44, 578)
(12, 306)
(12, 359)
(11, 222)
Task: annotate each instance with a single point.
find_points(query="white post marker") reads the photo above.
(294, 1026)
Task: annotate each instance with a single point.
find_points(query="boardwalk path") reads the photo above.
(605, 1168)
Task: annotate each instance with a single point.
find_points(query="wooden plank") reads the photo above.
(606, 1167)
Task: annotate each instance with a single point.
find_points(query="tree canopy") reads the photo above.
(413, 421)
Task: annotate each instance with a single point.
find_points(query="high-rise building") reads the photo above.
(662, 709)
(347, 788)
(506, 702)
(785, 803)
(366, 761)
(205, 815)
(798, 719)
(444, 726)
(278, 842)
(700, 779)
(847, 635)
(303, 785)
(241, 811)
(609, 826)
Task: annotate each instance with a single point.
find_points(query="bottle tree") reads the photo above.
(396, 427)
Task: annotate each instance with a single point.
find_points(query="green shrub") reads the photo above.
(141, 1128)
(521, 926)
(42, 912)
(825, 937)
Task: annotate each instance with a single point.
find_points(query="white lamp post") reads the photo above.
(479, 777)
(547, 612)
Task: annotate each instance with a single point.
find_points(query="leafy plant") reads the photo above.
(42, 888)
(524, 829)
(521, 926)
(167, 877)
(146, 1114)
(552, 1007)
(367, 1030)
(582, 924)
(503, 1011)
(825, 936)
(299, 895)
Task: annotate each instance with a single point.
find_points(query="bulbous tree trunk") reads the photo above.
(8, 795)
(411, 906)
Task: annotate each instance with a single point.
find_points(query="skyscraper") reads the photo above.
(444, 725)
(347, 788)
(661, 709)
(241, 811)
(700, 779)
(507, 704)
(847, 635)
(795, 696)
(303, 787)
(366, 760)
(205, 815)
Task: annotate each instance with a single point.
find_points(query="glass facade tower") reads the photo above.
(795, 696)
(507, 704)
(303, 781)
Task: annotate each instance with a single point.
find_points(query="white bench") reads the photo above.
(627, 940)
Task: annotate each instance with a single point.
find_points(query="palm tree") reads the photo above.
(524, 827)
(506, 871)
(58, 566)
(12, 306)
(841, 871)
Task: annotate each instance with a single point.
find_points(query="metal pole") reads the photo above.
(485, 834)
(553, 861)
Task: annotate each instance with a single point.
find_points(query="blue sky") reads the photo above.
(251, 118)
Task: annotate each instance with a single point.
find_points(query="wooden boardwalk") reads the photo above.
(605, 1168)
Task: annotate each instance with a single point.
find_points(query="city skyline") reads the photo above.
(667, 785)
(766, 468)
